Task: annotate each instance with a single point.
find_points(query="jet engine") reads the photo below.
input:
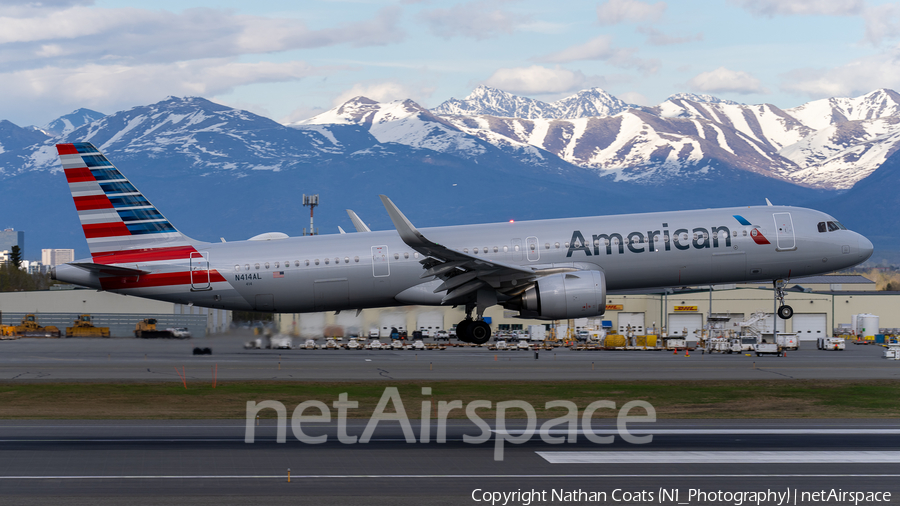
(579, 294)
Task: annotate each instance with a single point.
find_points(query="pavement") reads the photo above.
(209, 462)
(129, 359)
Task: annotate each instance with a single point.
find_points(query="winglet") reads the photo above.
(412, 237)
(768, 203)
(341, 230)
(358, 223)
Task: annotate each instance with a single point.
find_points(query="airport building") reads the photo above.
(820, 303)
(119, 312)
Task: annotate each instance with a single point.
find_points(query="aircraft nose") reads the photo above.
(865, 249)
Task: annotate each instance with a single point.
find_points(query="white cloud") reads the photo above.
(538, 80)
(382, 92)
(882, 22)
(131, 36)
(723, 80)
(109, 86)
(633, 97)
(613, 12)
(479, 19)
(602, 48)
(658, 38)
(852, 79)
(803, 7)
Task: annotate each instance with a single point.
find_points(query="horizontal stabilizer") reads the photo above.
(108, 270)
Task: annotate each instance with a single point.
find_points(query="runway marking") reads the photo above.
(722, 457)
(712, 432)
(434, 476)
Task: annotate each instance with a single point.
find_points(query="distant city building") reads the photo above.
(10, 238)
(32, 266)
(54, 257)
(4, 256)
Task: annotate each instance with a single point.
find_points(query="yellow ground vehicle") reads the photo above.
(146, 329)
(7, 331)
(84, 327)
(30, 328)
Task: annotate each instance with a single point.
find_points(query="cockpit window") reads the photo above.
(840, 226)
(821, 226)
(832, 226)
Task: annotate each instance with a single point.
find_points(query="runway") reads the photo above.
(154, 360)
(208, 462)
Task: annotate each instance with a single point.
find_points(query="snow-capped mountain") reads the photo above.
(830, 143)
(701, 98)
(403, 122)
(65, 124)
(487, 101)
(14, 137)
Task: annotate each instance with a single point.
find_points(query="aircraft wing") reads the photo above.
(108, 270)
(462, 273)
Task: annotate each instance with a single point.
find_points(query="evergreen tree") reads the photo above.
(15, 256)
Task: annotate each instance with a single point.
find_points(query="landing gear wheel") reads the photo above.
(462, 330)
(785, 312)
(479, 332)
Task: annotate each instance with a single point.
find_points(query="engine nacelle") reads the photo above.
(579, 294)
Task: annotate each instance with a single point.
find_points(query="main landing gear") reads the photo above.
(785, 312)
(473, 331)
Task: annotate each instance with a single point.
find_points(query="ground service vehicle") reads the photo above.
(84, 327)
(146, 329)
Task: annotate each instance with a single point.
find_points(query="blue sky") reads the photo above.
(291, 60)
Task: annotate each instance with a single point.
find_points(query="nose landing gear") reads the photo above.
(785, 312)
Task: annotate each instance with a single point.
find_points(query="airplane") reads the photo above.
(546, 269)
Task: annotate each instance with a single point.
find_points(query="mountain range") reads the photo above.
(493, 156)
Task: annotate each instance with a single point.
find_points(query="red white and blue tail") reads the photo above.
(118, 221)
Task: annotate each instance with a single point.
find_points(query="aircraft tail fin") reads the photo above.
(119, 223)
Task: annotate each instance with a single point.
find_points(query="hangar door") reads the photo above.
(636, 320)
(810, 326)
(766, 326)
(678, 322)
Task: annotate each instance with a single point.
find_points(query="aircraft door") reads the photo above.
(381, 266)
(532, 250)
(200, 271)
(784, 232)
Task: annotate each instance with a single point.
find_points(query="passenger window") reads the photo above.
(821, 226)
(317, 261)
(406, 256)
(256, 266)
(505, 249)
(745, 232)
(547, 245)
(396, 256)
(832, 227)
(557, 245)
(246, 267)
(356, 259)
(466, 250)
(237, 267)
(326, 261)
(297, 263)
(475, 250)
(267, 265)
(517, 247)
(346, 260)
(496, 249)
(307, 263)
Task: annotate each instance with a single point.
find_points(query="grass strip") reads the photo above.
(671, 399)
